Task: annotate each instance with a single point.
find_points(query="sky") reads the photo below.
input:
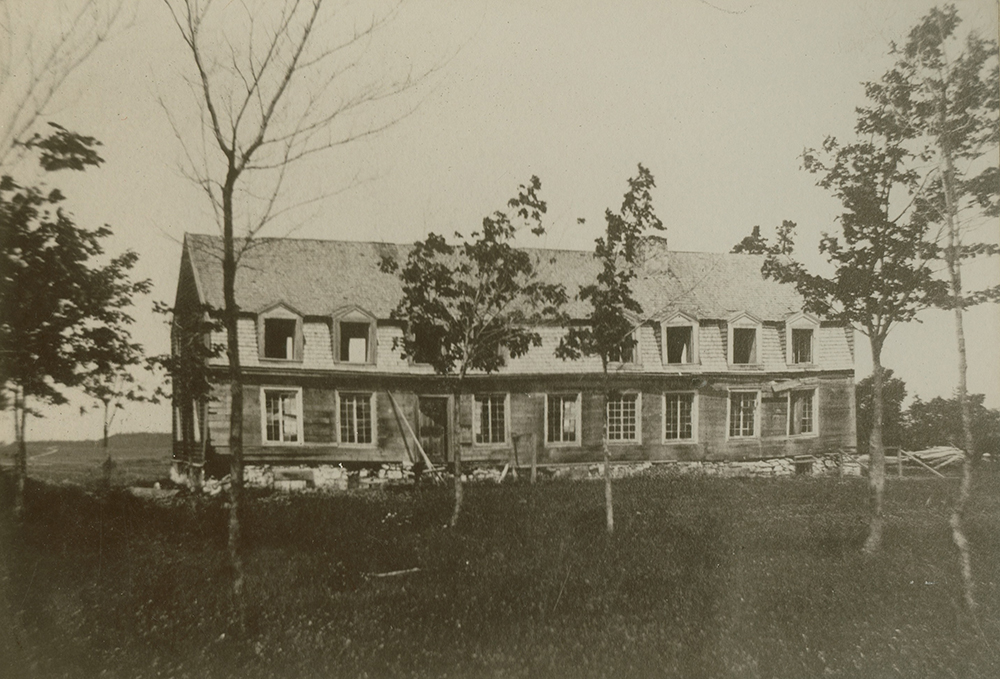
(718, 99)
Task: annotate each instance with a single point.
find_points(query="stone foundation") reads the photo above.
(324, 476)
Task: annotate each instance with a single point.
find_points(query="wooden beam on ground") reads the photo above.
(416, 441)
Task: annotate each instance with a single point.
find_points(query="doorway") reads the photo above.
(432, 427)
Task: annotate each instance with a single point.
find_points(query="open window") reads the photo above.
(680, 339)
(562, 419)
(282, 415)
(354, 336)
(802, 412)
(744, 340)
(800, 339)
(627, 350)
(279, 333)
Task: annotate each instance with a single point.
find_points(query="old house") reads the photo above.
(727, 367)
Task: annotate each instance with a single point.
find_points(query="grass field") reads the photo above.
(139, 459)
(703, 578)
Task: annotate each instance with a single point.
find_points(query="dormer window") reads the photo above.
(680, 339)
(801, 338)
(626, 351)
(354, 336)
(279, 334)
(744, 340)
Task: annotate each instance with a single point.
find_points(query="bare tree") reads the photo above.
(275, 84)
(42, 45)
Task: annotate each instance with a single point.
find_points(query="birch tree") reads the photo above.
(608, 331)
(469, 305)
(949, 90)
(273, 84)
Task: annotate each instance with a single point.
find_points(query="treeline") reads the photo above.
(925, 424)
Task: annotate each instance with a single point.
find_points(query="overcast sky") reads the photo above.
(718, 99)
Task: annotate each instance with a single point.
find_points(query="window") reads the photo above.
(801, 412)
(281, 416)
(279, 337)
(623, 418)
(744, 345)
(678, 417)
(490, 418)
(624, 352)
(680, 344)
(743, 414)
(354, 342)
(802, 345)
(355, 418)
(562, 418)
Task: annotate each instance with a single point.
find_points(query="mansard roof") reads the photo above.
(319, 276)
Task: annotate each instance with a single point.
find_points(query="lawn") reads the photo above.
(703, 578)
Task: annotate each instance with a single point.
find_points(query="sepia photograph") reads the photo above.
(414, 338)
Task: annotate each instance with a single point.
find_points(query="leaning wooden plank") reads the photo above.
(427, 461)
(922, 463)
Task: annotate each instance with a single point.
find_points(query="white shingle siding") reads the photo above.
(317, 352)
(833, 350)
(389, 358)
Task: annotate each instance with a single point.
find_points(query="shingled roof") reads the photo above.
(317, 277)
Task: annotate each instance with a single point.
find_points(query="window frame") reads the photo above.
(814, 405)
(801, 321)
(634, 349)
(680, 320)
(372, 404)
(694, 418)
(476, 421)
(579, 420)
(744, 321)
(280, 312)
(756, 414)
(638, 420)
(263, 415)
(358, 316)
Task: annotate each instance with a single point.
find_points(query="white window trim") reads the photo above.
(815, 405)
(579, 421)
(729, 414)
(694, 419)
(374, 407)
(354, 314)
(745, 321)
(801, 321)
(638, 422)
(281, 311)
(506, 421)
(263, 415)
(681, 320)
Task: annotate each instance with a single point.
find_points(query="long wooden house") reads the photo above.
(726, 367)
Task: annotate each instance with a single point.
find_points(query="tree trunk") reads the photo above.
(21, 458)
(609, 508)
(457, 458)
(230, 320)
(109, 464)
(953, 257)
(876, 455)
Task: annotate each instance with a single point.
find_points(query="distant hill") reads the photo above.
(115, 442)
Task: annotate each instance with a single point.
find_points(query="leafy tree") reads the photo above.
(893, 395)
(949, 92)
(63, 316)
(756, 244)
(280, 91)
(938, 422)
(612, 319)
(883, 264)
(467, 305)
